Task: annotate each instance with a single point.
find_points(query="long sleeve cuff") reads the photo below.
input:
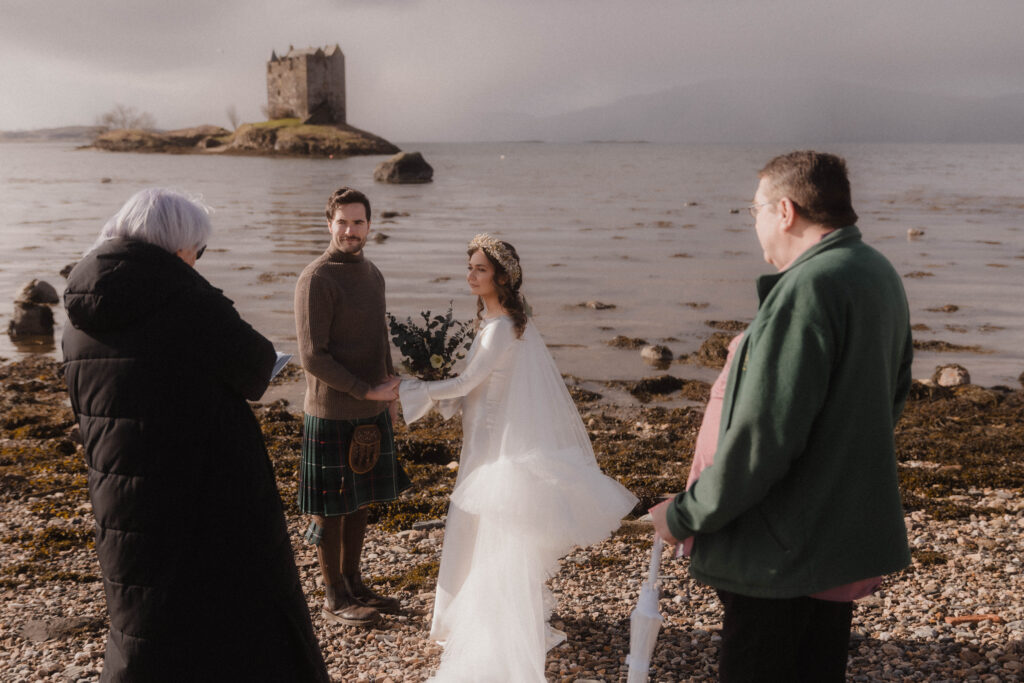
(449, 406)
(672, 517)
(416, 401)
(360, 389)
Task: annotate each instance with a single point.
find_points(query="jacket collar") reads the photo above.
(123, 281)
(838, 237)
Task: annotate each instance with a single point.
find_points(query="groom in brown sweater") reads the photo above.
(350, 397)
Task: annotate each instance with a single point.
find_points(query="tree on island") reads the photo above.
(122, 117)
(232, 113)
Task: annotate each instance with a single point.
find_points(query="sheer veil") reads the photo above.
(535, 494)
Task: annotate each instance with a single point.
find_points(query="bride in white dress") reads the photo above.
(528, 488)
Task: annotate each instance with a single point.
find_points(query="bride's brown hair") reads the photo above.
(506, 283)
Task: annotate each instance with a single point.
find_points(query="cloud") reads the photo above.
(422, 70)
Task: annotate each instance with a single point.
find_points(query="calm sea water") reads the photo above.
(647, 228)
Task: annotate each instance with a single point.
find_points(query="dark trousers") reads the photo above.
(794, 639)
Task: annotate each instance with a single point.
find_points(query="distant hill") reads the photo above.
(65, 134)
(774, 111)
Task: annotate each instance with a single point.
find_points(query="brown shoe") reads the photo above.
(350, 612)
(353, 615)
(367, 597)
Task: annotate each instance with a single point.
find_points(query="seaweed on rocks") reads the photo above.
(581, 395)
(926, 558)
(421, 577)
(727, 325)
(623, 342)
(51, 541)
(647, 389)
(423, 503)
(715, 349)
(960, 454)
(944, 347)
(971, 438)
(40, 463)
(282, 435)
(649, 451)
(957, 444)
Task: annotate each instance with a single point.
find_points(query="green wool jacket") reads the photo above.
(803, 493)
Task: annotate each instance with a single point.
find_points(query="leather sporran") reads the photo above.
(364, 451)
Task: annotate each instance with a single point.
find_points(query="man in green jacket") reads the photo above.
(800, 512)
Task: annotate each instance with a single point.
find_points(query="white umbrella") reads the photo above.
(645, 621)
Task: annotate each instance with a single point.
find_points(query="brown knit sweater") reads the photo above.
(342, 335)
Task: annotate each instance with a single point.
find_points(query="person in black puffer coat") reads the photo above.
(198, 570)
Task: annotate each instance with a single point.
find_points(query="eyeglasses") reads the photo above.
(754, 208)
(199, 254)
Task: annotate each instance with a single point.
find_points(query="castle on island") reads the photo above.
(307, 84)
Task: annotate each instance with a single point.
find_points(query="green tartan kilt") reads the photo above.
(327, 486)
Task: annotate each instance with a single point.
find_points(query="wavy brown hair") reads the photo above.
(343, 196)
(508, 295)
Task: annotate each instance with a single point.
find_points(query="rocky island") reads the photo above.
(278, 137)
(306, 106)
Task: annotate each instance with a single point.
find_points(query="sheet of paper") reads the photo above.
(282, 360)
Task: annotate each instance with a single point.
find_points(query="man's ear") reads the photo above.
(787, 213)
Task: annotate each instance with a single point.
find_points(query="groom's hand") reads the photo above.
(385, 391)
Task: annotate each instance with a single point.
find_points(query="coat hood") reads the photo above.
(122, 282)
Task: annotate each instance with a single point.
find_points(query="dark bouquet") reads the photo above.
(430, 350)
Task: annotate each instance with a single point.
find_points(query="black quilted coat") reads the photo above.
(197, 566)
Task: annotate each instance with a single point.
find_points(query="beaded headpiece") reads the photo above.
(500, 253)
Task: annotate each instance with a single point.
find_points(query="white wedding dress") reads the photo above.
(528, 490)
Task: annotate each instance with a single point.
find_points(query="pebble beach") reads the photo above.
(954, 615)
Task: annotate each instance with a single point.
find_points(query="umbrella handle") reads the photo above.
(652, 574)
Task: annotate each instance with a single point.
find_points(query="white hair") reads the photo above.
(162, 217)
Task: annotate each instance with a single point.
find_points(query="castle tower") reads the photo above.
(307, 84)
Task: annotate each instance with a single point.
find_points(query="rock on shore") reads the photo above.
(32, 314)
(280, 137)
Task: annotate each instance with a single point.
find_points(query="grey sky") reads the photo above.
(421, 69)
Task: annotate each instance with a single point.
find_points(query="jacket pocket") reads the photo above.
(773, 531)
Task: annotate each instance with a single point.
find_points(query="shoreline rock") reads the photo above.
(952, 375)
(37, 292)
(33, 316)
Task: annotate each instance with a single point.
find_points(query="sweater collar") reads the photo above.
(336, 255)
(839, 237)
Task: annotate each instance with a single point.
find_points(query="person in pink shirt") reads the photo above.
(707, 436)
(704, 455)
(800, 510)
